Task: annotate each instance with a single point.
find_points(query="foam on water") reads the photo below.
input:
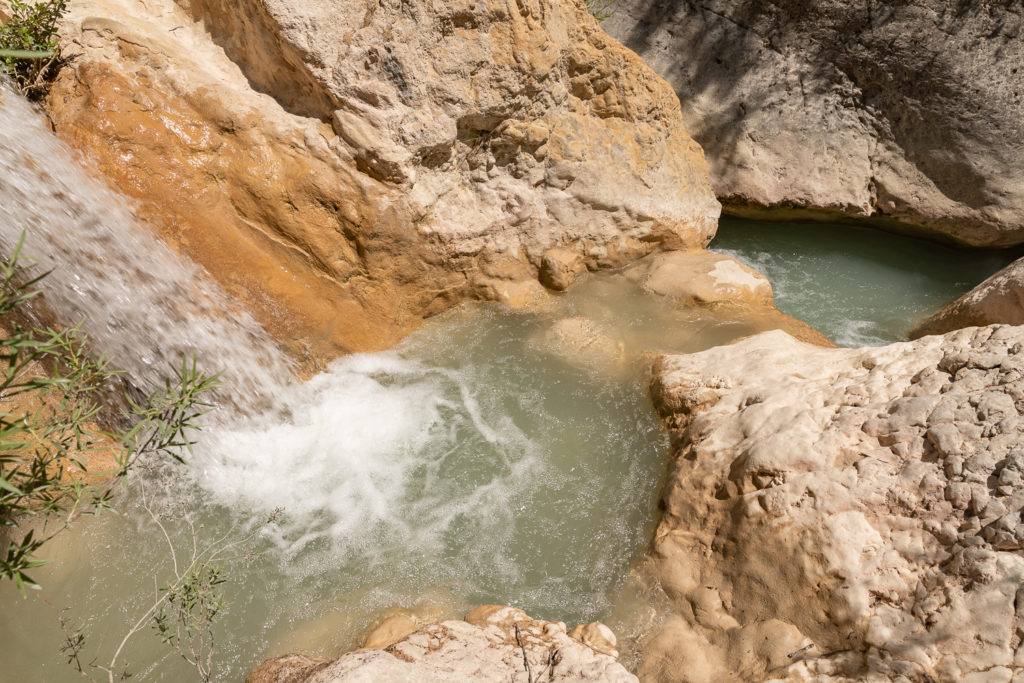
(463, 468)
(138, 301)
(368, 454)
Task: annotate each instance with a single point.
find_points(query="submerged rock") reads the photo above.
(721, 284)
(581, 343)
(908, 113)
(843, 514)
(999, 299)
(348, 168)
(492, 644)
(703, 278)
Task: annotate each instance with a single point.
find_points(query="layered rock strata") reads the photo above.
(843, 514)
(999, 299)
(348, 168)
(904, 113)
(498, 644)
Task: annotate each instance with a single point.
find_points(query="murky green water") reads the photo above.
(480, 462)
(859, 286)
(483, 461)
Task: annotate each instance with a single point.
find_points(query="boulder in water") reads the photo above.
(703, 278)
(580, 342)
(560, 267)
(997, 300)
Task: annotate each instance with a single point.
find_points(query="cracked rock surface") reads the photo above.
(905, 112)
(843, 514)
(499, 644)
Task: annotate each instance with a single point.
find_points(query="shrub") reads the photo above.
(28, 43)
(52, 393)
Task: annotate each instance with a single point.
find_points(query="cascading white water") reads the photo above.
(138, 301)
(465, 467)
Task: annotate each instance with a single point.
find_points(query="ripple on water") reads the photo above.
(859, 286)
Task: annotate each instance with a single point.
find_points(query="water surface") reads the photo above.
(859, 286)
(468, 466)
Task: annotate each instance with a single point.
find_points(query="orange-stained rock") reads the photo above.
(358, 168)
(261, 215)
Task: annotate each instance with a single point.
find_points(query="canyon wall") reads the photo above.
(904, 113)
(349, 168)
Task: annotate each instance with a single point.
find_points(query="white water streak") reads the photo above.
(139, 302)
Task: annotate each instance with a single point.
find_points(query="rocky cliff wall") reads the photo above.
(907, 113)
(348, 168)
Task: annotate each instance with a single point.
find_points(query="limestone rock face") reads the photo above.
(485, 647)
(907, 112)
(999, 299)
(348, 168)
(843, 514)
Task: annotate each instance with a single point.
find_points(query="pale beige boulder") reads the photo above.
(842, 514)
(703, 278)
(720, 284)
(348, 168)
(494, 643)
(999, 299)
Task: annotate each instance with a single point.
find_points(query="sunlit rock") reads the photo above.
(560, 267)
(493, 644)
(721, 285)
(702, 278)
(347, 169)
(843, 514)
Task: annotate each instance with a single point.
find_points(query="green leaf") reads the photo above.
(6, 485)
(26, 54)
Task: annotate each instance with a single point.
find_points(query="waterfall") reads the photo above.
(140, 303)
(466, 466)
